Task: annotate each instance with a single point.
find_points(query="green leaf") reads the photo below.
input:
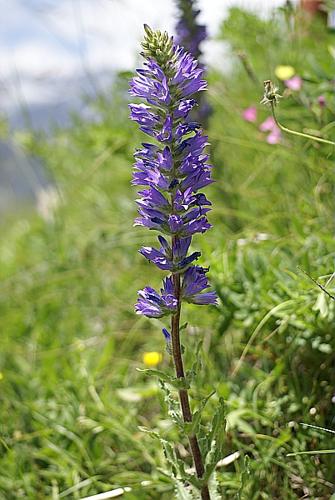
(195, 424)
(321, 305)
(155, 373)
(213, 487)
(215, 441)
(196, 367)
(244, 475)
(173, 406)
(314, 452)
(176, 464)
(324, 429)
(177, 383)
(182, 492)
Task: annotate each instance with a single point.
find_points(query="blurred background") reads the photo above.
(55, 52)
(71, 398)
(57, 56)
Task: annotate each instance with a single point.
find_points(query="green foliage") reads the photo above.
(213, 446)
(72, 400)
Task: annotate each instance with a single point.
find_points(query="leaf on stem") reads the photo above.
(177, 383)
(215, 442)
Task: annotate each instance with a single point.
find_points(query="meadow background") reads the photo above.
(71, 399)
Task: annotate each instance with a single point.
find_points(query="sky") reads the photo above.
(54, 51)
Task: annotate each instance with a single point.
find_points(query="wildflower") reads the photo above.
(1, 376)
(170, 259)
(152, 359)
(274, 137)
(321, 101)
(283, 72)
(155, 305)
(269, 125)
(250, 114)
(271, 97)
(294, 83)
(193, 286)
(172, 172)
(190, 35)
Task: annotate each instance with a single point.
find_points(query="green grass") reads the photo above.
(71, 399)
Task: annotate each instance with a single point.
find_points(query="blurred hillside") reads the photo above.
(56, 57)
(22, 179)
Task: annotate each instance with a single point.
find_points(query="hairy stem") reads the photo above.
(300, 134)
(183, 393)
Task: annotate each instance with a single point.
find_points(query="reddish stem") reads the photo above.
(183, 393)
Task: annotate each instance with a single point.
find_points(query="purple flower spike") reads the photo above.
(190, 35)
(171, 172)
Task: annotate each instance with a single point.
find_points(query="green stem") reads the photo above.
(300, 134)
(183, 393)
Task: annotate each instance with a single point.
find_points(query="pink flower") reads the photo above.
(294, 83)
(321, 101)
(269, 125)
(250, 114)
(274, 137)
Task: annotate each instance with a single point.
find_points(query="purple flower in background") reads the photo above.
(250, 114)
(172, 171)
(190, 35)
(294, 83)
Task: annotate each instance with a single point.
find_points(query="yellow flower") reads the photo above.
(1, 375)
(152, 358)
(284, 72)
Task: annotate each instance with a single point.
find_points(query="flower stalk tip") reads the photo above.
(271, 95)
